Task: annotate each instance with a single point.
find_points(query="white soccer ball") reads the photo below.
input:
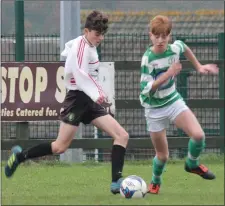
(133, 187)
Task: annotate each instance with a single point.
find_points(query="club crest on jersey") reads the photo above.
(155, 66)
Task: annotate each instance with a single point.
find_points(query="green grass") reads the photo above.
(88, 184)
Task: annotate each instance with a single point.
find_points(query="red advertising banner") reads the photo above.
(31, 91)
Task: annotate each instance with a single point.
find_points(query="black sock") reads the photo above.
(118, 153)
(36, 151)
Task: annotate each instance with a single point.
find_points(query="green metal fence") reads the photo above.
(37, 48)
(125, 47)
(115, 47)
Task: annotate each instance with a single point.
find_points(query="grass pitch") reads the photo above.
(52, 183)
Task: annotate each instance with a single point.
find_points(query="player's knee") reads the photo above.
(125, 137)
(163, 156)
(122, 138)
(198, 135)
(58, 148)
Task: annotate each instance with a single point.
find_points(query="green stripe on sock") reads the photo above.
(158, 167)
(194, 148)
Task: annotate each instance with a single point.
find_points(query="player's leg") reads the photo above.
(70, 117)
(159, 141)
(187, 121)
(99, 117)
(157, 122)
(109, 125)
(60, 145)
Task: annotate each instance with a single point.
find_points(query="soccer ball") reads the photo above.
(133, 187)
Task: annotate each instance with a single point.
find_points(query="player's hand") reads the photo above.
(103, 99)
(208, 69)
(100, 100)
(106, 104)
(102, 96)
(174, 69)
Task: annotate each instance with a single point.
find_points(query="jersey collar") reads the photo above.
(89, 43)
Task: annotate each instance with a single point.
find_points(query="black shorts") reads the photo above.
(78, 107)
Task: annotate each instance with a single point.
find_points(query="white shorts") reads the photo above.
(159, 119)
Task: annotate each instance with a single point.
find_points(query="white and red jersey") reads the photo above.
(81, 67)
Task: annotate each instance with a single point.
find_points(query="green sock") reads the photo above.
(194, 150)
(158, 167)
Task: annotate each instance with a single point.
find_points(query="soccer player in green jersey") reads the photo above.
(160, 65)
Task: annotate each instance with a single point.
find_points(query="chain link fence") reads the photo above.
(125, 47)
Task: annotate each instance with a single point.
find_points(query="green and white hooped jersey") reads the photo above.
(152, 66)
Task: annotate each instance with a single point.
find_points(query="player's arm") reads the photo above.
(78, 61)
(147, 78)
(173, 70)
(204, 69)
(148, 84)
(191, 57)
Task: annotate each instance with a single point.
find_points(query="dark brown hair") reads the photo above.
(97, 21)
(160, 25)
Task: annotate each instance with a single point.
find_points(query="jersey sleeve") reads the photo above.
(147, 78)
(180, 46)
(77, 62)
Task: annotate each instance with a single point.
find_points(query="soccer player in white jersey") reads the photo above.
(82, 102)
(160, 65)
